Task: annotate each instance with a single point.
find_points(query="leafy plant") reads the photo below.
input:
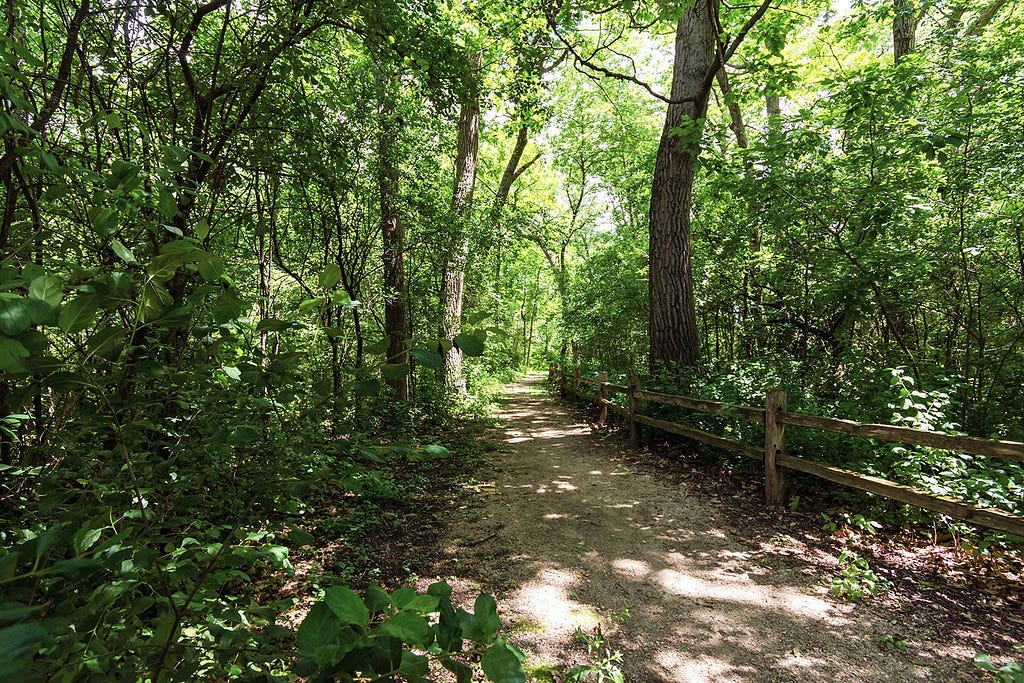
(348, 638)
(606, 665)
(856, 581)
(1011, 672)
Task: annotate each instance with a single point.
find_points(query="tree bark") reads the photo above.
(904, 29)
(454, 275)
(393, 235)
(673, 323)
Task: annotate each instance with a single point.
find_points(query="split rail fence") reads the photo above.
(773, 455)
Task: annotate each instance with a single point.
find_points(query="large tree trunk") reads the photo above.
(393, 234)
(454, 274)
(673, 323)
(904, 29)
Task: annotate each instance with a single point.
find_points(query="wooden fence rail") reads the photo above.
(773, 453)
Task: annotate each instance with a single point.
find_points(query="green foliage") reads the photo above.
(345, 637)
(1011, 672)
(606, 665)
(856, 581)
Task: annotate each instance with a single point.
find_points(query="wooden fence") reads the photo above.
(773, 453)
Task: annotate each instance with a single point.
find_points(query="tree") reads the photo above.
(673, 318)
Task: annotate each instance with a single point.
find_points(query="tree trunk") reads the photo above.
(454, 274)
(904, 29)
(673, 324)
(393, 235)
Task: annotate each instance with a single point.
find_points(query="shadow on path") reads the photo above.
(571, 538)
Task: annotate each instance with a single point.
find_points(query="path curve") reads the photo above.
(570, 537)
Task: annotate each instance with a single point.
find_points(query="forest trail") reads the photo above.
(569, 536)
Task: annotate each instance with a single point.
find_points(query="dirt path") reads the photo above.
(570, 537)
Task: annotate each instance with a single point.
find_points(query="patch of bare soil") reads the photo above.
(574, 534)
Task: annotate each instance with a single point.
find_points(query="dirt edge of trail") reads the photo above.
(581, 546)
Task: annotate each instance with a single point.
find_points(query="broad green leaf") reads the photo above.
(168, 205)
(78, 313)
(463, 674)
(301, 537)
(379, 347)
(485, 613)
(85, 538)
(471, 344)
(440, 588)
(274, 325)
(319, 629)
(402, 596)
(394, 370)
(408, 627)
(16, 611)
(164, 266)
(437, 451)
(47, 288)
(122, 252)
(376, 599)
(414, 667)
(423, 603)
(501, 664)
(347, 606)
(12, 355)
(311, 305)
(428, 359)
(211, 268)
(330, 276)
(367, 387)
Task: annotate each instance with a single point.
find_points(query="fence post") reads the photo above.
(576, 380)
(602, 419)
(634, 410)
(551, 372)
(774, 446)
(561, 381)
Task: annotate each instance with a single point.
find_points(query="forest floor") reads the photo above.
(585, 543)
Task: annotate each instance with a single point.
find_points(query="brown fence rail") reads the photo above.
(773, 454)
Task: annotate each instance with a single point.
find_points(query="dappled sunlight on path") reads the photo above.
(579, 541)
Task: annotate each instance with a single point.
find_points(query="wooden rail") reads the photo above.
(773, 455)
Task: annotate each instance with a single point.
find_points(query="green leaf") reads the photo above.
(301, 537)
(394, 370)
(379, 347)
(79, 313)
(330, 276)
(319, 629)
(402, 597)
(485, 613)
(211, 268)
(437, 451)
(423, 604)
(347, 606)
(376, 599)
(274, 325)
(501, 664)
(367, 387)
(12, 355)
(84, 539)
(168, 205)
(311, 305)
(122, 252)
(471, 344)
(408, 627)
(47, 288)
(427, 359)
(463, 674)
(414, 667)
(16, 611)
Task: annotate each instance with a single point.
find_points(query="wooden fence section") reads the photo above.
(773, 453)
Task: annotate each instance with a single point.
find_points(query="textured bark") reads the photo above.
(393, 234)
(454, 275)
(904, 29)
(673, 323)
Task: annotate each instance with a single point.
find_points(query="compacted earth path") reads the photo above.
(582, 549)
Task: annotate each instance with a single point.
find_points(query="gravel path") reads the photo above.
(572, 539)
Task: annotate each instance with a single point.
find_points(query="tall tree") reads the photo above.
(673, 320)
(453, 277)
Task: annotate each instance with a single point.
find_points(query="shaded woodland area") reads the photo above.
(263, 262)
